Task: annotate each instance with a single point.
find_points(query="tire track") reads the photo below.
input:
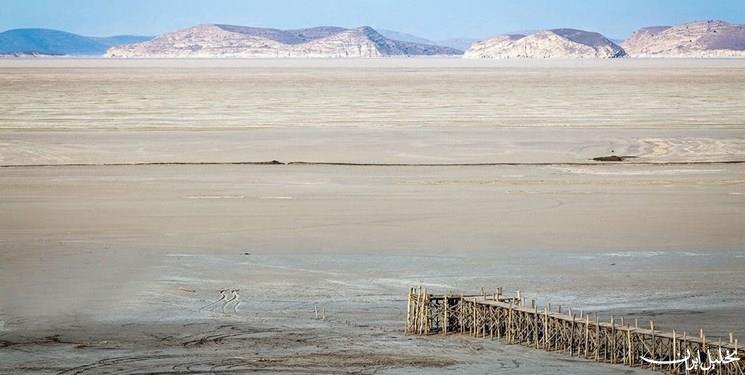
(226, 303)
(223, 296)
(235, 298)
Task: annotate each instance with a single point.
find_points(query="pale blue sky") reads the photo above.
(435, 19)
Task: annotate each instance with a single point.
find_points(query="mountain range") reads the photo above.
(555, 43)
(54, 42)
(694, 39)
(214, 40)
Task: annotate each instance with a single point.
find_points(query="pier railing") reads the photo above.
(511, 320)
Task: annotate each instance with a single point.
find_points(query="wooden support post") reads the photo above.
(535, 325)
(445, 306)
(426, 313)
(461, 320)
(612, 340)
(629, 352)
(587, 334)
(719, 350)
(407, 326)
(483, 311)
(674, 350)
(685, 343)
(416, 311)
(597, 338)
(421, 311)
(654, 342)
(545, 328)
(499, 322)
(473, 317)
(509, 325)
(571, 338)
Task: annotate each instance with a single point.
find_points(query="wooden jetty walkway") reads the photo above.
(510, 319)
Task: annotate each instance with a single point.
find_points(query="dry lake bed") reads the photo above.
(138, 236)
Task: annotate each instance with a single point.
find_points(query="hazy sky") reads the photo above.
(435, 19)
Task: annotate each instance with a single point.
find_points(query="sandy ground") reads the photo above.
(118, 269)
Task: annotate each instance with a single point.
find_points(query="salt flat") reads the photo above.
(105, 264)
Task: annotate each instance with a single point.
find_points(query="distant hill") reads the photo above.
(214, 40)
(555, 43)
(55, 42)
(395, 35)
(694, 39)
(457, 43)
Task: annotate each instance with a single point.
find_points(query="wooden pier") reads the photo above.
(511, 320)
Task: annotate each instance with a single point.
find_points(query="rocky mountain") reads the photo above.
(556, 43)
(55, 42)
(240, 41)
(694, 39)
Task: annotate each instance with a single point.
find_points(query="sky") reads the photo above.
(433, 19)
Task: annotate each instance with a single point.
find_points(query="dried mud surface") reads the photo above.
(140, 249)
